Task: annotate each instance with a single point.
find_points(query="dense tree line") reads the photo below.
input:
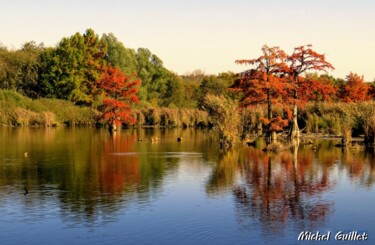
(100, 72)
(72, 68)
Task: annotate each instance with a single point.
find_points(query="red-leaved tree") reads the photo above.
(302, 60)
(317, 88)
(278, 79)
(264, 84)
(355, 89)
(120, 94)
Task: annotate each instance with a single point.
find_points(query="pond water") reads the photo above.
(86, 186)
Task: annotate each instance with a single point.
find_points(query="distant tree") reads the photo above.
(215, 85)
(302, 60)
(191, 93)
(318, 88)
(120, 94)
(371, 90)
(173, 95)
(19, 69)
(32, 46)
(355, 89)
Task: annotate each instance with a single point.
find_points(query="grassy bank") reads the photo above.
(339, 118)
(18, 110)
(335, 119)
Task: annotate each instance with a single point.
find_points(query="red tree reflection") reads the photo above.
(282, 189)
(119, 166)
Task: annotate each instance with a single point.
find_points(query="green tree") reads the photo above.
(70, 71)
(19, 68)
(155, 78)
(118, 55)
(174, 93)
(215, 85)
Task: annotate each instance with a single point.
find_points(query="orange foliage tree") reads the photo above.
(264, 84)
(120, 91)
(278, 80)
(355, 89)
(302, 60)
(317, 88)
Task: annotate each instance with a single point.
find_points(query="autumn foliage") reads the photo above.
(277, 79)
(258, 87)
(355, 89)
(120, 92)
(264, 84)
(317, 88)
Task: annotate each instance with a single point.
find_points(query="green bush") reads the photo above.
(225, 116)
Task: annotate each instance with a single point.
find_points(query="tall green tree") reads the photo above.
(118, 55)
(154, 76)
(70, 71)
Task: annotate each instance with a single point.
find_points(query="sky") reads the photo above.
(207, 35)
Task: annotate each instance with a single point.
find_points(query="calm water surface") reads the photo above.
(86, 186)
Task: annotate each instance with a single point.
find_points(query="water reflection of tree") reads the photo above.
(359, 165)
(224, 175)
(94, 187)
(354, 161)
(281, 190)
(115, 174)
(275, 189)
(77, 170)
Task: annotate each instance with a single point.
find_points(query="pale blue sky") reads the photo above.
(205, 34)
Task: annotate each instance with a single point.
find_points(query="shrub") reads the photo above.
(225, 116)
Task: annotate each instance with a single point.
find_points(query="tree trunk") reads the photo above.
(294, 131)
(269, 114)
(369, 139)
(112, 127)
(272, 137)
(259, 128)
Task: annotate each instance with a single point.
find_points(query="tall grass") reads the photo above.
(18, 110)
(343, 119)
